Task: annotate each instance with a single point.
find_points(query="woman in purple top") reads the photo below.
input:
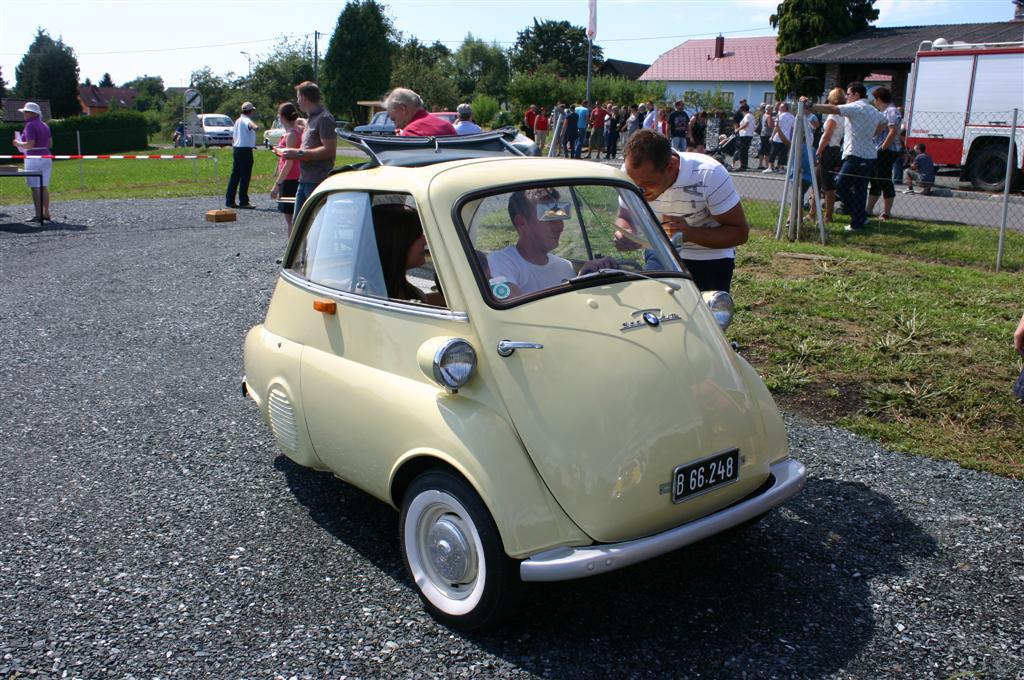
(34, 140)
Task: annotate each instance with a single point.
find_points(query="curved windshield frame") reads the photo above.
(590, 233)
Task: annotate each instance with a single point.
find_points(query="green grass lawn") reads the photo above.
(147, 178)
(891, 335)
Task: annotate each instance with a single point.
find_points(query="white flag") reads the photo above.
(592, 27)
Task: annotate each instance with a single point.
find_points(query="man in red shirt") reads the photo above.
(531, 119)
(597, 117)
(405, 108)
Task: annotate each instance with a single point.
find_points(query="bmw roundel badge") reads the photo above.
(651, 319)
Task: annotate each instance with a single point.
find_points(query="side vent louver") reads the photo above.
(282, 421)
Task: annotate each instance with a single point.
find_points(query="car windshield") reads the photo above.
(217, 121)
(548, 239)
(380, 118)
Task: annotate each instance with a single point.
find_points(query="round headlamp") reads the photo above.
(721, 305)
(454, 362)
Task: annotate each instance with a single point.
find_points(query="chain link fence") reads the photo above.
(968, 175)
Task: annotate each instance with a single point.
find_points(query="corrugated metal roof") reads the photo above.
(898, 45)
(628, 69)
(744, 59)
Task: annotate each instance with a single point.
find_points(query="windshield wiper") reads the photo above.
(623, 272)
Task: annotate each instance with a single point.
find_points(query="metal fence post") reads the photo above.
(1011, 162)
(552, 151)
(796, 157)
(81, 163)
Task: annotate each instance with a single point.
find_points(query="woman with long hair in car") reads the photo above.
(401, 246)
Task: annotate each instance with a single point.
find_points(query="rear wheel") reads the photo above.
(454, 555)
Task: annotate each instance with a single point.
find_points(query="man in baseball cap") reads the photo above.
(243, 141)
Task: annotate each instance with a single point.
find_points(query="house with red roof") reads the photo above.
(95, 100)
(742, 68)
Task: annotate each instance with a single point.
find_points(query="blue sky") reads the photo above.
(128, 38)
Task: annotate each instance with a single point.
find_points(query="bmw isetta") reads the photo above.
(454, 332)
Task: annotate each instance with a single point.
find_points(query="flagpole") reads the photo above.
(591, 34)
(590, 68)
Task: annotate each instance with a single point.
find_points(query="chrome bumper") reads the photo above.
(563, 564)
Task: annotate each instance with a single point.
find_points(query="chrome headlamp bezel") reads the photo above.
(721, 305)
(454, 364)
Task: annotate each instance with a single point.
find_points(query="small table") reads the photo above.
(8, 171)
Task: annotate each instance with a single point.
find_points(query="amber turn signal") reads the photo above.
(325, 306)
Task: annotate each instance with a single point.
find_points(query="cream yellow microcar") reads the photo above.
(454, 332)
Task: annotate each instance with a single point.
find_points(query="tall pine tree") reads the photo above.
(804, 24)
(49, 70)
(358, 60)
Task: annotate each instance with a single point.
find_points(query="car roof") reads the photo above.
(419, 151)
(467, 175)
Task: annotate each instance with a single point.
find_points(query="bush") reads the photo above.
(503, 119)
(106, 133)
(485, 108)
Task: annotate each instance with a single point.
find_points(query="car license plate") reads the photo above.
(712, 472)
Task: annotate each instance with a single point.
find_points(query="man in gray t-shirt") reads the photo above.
(319, 143)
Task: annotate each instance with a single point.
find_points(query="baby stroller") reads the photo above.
(727, 146)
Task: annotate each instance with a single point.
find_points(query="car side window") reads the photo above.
(339, 249)
(369, 245)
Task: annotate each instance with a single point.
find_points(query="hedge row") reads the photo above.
(105, 133)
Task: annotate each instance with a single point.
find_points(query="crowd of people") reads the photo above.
(582, 130)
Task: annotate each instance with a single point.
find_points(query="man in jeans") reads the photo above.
(889, 148)
(319, 143)
(679, 126)
(243, 141)
(862, 122)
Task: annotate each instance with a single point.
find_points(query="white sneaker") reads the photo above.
(908, 191)
(767, 171)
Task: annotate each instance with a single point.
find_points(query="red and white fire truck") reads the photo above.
(960, 104)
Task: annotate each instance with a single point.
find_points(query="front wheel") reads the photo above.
(988, 169)
(454, 555)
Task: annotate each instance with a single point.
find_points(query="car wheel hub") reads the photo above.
(450, 552)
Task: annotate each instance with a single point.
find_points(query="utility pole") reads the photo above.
(316, 57)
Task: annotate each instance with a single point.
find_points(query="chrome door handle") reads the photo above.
(506, 347)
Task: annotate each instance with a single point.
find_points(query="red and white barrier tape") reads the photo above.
(102, 157)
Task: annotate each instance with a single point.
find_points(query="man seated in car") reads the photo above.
(528, 266)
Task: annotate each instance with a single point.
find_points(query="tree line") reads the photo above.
(366, 56)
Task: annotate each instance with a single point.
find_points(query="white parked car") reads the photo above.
(213, 129)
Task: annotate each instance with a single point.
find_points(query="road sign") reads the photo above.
(193, 99)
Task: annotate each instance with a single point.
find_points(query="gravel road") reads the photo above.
(150, 528)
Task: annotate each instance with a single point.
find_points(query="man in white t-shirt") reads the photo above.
(745, 130)
(528, 266)
(243, 141)
(694, 197)
(781, 139)
(863, 122)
